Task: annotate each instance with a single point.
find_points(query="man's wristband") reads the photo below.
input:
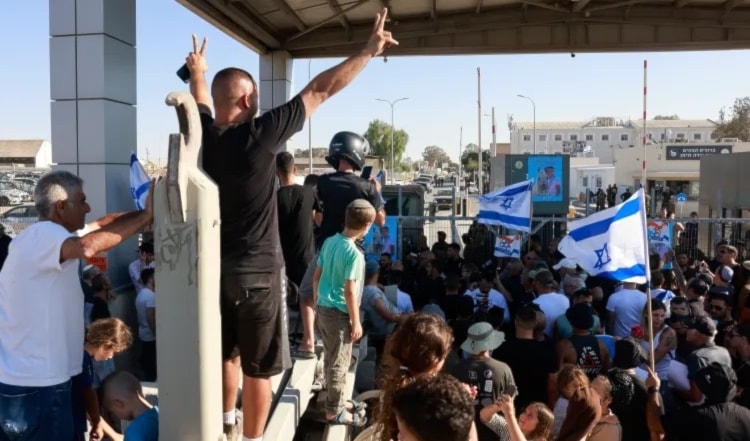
(653, 390)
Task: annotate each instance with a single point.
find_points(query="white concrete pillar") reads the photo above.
(275, 82)
(93, 92)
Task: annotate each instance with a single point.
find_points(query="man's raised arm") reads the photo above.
(196, 64)
(328, 83)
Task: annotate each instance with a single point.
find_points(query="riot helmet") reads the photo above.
(348, 145)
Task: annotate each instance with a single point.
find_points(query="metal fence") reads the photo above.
(703, 234)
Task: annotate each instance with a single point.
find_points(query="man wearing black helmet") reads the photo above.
(346, 153)
(239, 153)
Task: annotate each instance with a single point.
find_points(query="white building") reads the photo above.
(601, 136)
(27, 153)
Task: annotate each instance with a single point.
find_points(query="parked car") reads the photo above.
(18, 218)
(11, 195)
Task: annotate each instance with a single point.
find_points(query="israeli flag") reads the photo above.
(139, 182)
(508, 206)
(508, 246)
(611, 243)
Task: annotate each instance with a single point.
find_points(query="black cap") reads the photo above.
(580, 316)
(717, 382)
(628, 354)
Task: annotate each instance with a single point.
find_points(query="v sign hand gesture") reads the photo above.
(196, 60)
(380, 39)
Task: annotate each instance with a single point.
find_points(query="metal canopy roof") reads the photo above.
(331, 28)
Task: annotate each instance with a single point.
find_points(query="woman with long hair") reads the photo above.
(417, 347)
(584, 412)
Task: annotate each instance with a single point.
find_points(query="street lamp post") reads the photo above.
(393, 129)
(533, 106)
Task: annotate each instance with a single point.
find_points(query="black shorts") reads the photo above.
(254, 321)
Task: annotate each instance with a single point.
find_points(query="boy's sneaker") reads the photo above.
(233, 432)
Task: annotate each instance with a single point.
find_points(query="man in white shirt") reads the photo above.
(552, 303)
(485, 297)
(41, 306)
(145, 260)
(625, 310)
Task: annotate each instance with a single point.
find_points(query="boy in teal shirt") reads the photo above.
(337, 287)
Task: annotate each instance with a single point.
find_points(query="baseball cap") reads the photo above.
(628, 354)
(703, 324)
(580, 316)
(544, 277)
(717, 382)
(565, 263)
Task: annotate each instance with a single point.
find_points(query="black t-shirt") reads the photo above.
(335, 192)
(296, 204)
(531, 362)
(725, 422)
(491, 378)
(242, 161)
(629, 396)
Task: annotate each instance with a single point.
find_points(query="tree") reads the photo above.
(435, 155)
(735, 123)
(666, 117)
(470, 160)
(378, 134)
(318, 152)
(471, 147)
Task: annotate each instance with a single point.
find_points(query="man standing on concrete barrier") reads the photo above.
(239, 154)
(41, 307)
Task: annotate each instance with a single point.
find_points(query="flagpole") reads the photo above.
(645, 134)
(649, 318)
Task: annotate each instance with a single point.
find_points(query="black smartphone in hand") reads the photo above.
(184, 73)
(366, 172)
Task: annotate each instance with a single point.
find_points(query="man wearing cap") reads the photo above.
(719, 418)
(582, 349)
(552, 303)
(700, 334)
(490, 377)
(566, 266)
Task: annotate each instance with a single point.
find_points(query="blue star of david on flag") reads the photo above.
(507, 203)
(611, 243)
(508, 206)
(602, 257)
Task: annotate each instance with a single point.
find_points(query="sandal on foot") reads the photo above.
(305, 355)
(356, 406)
(341, 419)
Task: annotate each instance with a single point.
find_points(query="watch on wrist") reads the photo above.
(653, 390)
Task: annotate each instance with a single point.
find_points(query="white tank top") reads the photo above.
(662, 366)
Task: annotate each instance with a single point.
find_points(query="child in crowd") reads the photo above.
(122, 395)
(103, 340)
(432, 408)
(417, 348)
(337, 286)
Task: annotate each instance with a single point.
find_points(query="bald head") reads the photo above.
(233, 87)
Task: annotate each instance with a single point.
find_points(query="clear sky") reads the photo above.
(442, 91)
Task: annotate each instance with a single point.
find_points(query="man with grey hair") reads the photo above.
(42, 305)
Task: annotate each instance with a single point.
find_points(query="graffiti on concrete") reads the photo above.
(177, 247)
